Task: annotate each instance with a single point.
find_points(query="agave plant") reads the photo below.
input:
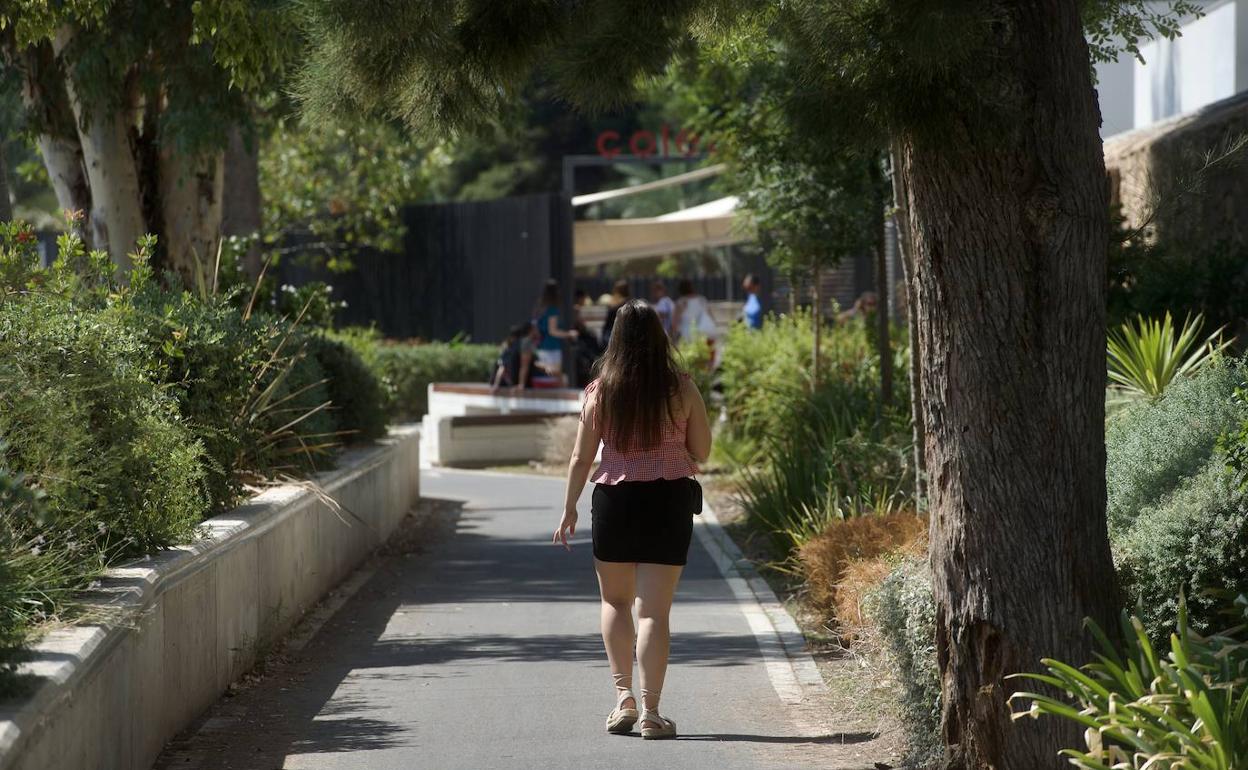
(1140, 710)
(1146, 356)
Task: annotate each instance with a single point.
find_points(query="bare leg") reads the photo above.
(656, 584)
(616, 583)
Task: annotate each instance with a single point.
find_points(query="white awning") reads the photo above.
(597, 242)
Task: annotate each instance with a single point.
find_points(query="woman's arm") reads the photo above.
(698, 428)
(552, 328)
(526, 361)
(587, 438)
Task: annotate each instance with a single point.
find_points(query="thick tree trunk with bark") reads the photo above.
(190, 202)
(240, 213)
(1010, 229)
(902, 221)
(116, 218)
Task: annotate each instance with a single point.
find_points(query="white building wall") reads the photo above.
(1207, 63)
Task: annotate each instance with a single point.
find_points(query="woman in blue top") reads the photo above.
(550, 348)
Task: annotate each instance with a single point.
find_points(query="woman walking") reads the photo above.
(654, 430)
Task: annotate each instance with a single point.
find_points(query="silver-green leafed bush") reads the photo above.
(1152, 446)
(1194, 541)
(905, 613)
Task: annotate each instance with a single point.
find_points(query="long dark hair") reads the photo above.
(638, 379)
(550, 295)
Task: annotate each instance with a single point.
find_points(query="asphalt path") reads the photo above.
(483, 652)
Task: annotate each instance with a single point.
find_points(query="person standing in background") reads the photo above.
(752, 313)
(619, 295)
(550, 348)
(663, 305)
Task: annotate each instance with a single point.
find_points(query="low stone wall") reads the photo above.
(176, 629)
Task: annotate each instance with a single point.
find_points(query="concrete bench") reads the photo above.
(468, 426)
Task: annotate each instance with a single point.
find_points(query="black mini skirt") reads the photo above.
(642, 522)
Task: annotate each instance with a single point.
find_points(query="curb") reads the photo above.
(789, 664)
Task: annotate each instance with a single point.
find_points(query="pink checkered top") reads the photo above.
(669, 460)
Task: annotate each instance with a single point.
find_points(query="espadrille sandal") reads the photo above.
(621, 720)
(665, 729)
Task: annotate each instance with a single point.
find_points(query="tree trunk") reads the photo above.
(816, 319)
(883, 345)
(6, 201)
(49, 113)
(116, 218)
(901, 220)
(190, 202)
(240, 213)
(1010, 248)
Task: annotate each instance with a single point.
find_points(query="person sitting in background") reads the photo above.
(663, 305)
(515, 359)
(619, 295)
(863, 307)
(693, 319)
(586, 349)
(550, 348)
(752, 313)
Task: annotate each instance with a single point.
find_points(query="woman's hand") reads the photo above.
(567, 528)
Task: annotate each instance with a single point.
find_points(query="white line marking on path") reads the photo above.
(789, 664)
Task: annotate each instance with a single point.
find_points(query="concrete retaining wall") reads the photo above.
(176, 629)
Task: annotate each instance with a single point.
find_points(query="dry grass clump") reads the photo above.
(559, 439)
(850, 557)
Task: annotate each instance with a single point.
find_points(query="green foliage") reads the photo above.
(406, 369)
(355, 392)
(1146, 357)
(1178, 520)
(1140, 709)
(764, 370)
(19, 508)
(330, 191)
(86, 421)
(695, 358)
(195, 63)
(1115, 26)
(1151, 278)
(1194, 540)
(206, 358)
(1151, 447)
(831, 460)
(905, 613)
(810, 458)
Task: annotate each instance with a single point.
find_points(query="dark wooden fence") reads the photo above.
(472, 269)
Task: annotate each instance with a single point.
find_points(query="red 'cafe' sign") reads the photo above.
(644, 143)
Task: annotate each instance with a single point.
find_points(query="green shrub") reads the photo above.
(1193, 541)
(358, 399)
(905, 613)
(831, 459)
(20, 508)
(1149, 354)
(207, 356)
(695, 358)
(291, 405)
(1142, 709)
(1151, 447)
(406, 369)
(86, 422)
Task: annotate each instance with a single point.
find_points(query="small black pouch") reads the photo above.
(693, 495)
